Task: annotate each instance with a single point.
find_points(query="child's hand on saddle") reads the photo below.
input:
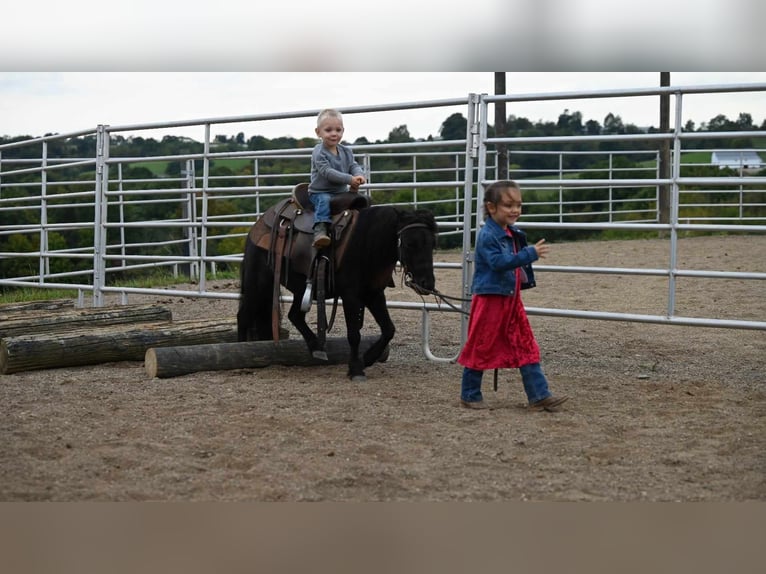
(356, 181)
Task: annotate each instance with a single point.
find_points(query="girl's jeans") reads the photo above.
(535, 383)
(321, 203)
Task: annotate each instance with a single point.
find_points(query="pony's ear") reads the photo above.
(428, 217)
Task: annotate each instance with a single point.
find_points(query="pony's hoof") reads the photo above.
(382, 358)
(359, 379)
(321, 355)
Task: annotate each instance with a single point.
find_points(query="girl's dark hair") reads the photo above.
(494, 192)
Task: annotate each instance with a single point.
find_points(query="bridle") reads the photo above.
(407, 276)
(401, 252)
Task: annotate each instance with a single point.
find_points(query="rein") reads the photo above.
(407, 227)
(417, 288)
(436, 293)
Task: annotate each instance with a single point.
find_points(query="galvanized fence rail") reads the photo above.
(108, 203)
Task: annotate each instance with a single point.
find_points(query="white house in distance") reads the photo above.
(736, 159)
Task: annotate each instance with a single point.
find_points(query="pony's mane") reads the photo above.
(375, 236)
(391, 217)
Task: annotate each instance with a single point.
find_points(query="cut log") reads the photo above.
(47, 305)
(46, 321)
(174, 361)
(106, 344)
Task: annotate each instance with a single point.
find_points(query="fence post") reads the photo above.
(256, 181)
(473, 138)
(120, 187)
(561, 188)
(611, 190)
(45, 264)
(189, 212)
(664, 163)
(205, 208)
(674, 209)
(415, 180)
(100, 215)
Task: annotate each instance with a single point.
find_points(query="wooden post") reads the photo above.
(174, 361)
(502, 149)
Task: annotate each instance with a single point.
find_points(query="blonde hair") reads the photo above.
(328, 113)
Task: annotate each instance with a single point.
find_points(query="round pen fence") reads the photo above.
(75, 214)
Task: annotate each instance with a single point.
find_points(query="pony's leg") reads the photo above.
(379, 310)
(246, 295)
(256, 292)
(353, 310)
(298, 318)
(321, 339)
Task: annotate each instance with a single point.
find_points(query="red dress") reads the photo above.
(499, 333)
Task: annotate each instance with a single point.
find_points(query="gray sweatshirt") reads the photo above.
(332, 173)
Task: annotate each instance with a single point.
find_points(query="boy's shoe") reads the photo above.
(321, 239)
(549, 404)
(474, 404)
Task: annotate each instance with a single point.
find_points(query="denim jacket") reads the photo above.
(495, 261)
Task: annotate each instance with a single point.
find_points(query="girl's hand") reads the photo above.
(542, 250)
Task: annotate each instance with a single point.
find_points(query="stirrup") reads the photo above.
(307, 294)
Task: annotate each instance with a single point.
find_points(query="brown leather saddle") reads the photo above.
(286, 232)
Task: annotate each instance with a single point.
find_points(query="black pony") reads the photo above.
(381, 236)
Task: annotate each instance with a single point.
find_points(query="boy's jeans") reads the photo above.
(321, 203)
(535, 383)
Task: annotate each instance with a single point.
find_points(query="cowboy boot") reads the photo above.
(321, 237)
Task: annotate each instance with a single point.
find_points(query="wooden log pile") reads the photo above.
(49, 335)
(54, 334)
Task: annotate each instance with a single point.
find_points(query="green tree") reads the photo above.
(613, 124)
(745, 122)
(720, 123)
(518, 126)
(570, 124)
(454, 127)
(400, 134)
(592, 128)
(18, 266)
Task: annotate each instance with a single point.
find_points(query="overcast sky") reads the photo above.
(69, 66)
(35, 103)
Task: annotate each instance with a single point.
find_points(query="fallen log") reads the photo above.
(106, 344)
(46, 305)
(174, 361)
(46, 321)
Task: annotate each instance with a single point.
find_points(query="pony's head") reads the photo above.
(417, 241)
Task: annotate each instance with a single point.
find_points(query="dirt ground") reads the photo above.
(657, 412)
